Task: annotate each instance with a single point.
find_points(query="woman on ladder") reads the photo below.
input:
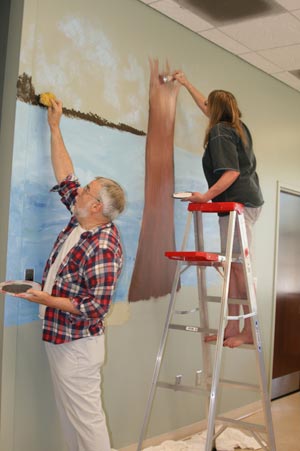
(229, 166)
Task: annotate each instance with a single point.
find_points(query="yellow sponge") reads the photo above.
(46, 97)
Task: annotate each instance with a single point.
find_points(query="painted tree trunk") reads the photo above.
(153, 273)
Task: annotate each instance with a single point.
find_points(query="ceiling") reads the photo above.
(265, 33)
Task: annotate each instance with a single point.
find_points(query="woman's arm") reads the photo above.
(224, 182)
(198, 97)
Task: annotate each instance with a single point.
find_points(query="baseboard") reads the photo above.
(187, 431)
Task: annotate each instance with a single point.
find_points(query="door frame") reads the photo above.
(288, 189)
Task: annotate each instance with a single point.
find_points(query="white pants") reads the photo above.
(75, 369)
(251, 215)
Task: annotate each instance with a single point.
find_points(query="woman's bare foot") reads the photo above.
(231, 330)
(243, 338)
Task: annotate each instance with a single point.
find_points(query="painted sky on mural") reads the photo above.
(92, 66)
(36, 215)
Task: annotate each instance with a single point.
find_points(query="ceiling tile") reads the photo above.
(193, 22)
(270, 41)
(297, 13)
(259, 61)
(181, 15)
(148, 2)
(289, 4)
(288, 58)
(165, 4)
(289, 79)
(267, 32)
(219, 38)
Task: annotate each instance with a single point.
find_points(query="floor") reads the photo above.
(286, 422)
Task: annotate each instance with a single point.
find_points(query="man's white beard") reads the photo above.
(80, 212)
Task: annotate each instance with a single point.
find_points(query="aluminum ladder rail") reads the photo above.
(264, 434)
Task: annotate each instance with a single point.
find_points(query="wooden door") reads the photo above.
(286, 360)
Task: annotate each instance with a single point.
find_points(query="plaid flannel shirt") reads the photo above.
(87, 276)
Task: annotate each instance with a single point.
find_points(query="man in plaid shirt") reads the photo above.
(78, 283)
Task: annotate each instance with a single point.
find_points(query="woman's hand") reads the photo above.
(180, 77)
(196, 197)
(198, 97)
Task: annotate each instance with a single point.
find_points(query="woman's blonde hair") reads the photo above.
(223, 107)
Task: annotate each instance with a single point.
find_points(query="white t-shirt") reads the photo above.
(70, 242)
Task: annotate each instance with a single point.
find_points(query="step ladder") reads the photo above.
(210, 374)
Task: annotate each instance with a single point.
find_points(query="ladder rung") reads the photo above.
(245, 316)
(186, 328)
(230, 300)
(239, 424)
(192, 389)
(244, 346)
(181, 387)
(240, 385)
(186, 312)
(197, 329)
(215, 299)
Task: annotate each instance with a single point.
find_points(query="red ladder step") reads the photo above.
(194, 256)
(216, 207)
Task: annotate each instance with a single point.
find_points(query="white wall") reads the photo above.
(9, 73)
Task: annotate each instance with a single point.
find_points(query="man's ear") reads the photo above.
(97, 207)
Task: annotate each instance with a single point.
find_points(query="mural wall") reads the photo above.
(88, 58)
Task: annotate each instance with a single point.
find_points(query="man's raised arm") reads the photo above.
(61, 161)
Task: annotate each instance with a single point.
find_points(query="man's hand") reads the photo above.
(39, 297)
(54, 113)
(44, 298)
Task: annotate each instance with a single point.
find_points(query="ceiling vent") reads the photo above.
(296, 73)
(229, 11)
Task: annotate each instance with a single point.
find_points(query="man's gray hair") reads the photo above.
(112, 197)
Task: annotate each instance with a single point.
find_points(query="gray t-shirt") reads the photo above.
(226, 151)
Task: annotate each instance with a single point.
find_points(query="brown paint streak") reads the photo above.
(26, 93)
(153, 273)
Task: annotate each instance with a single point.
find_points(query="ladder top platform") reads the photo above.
(194, 256)
(216, 207)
